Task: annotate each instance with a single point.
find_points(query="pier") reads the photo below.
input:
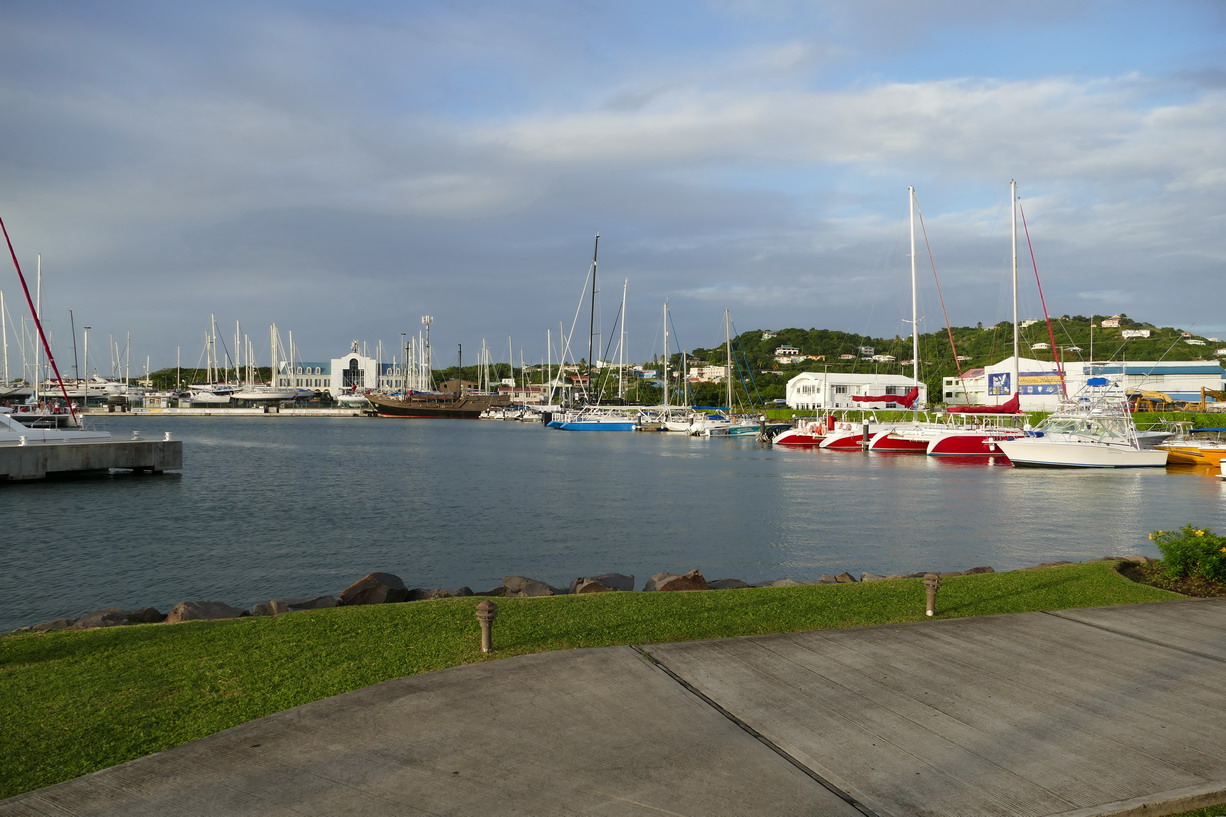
(45, 460)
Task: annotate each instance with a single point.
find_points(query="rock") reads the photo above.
(497, 591)
(429, 594)
(603, 583)
(974, 570)
(279, 606)
(671, 581)
(1046, 564)
(522, 587)
(201, 611)
(727, 584)
(779, 583)
(845, 578)
(872, 577)
(56, 624)
(109, 617)
(146, 615)
(375, 588)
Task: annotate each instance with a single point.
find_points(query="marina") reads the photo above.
(266, 509)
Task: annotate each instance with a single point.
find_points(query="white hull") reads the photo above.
(1044, 451)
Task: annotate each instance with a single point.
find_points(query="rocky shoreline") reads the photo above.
(387, 588)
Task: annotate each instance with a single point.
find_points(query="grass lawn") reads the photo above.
(73, 702)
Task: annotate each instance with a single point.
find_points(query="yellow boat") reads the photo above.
(1201, 446)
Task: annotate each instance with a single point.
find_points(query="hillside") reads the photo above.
(978, 345)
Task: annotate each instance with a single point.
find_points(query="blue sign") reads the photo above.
(999, 383)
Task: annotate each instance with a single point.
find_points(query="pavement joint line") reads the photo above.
(755, 734)
(1055, 614)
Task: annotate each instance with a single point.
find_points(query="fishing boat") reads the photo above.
(1095, 430)
(1199, 446)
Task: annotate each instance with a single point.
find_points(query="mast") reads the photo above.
(592, 318)
(621, 346)
(38, 320)
(1017, 387)
(914, 307)
(728, 352)
(665, 368)
(4, 338)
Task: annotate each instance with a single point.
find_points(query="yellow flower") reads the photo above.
(1223, 550)
(1200, 533)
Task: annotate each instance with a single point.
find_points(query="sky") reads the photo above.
(340, 169)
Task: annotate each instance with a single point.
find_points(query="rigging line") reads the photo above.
(940, 296)
(1055, 352)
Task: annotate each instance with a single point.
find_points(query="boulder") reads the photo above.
(522, 587)
(430, 593)
(1046, 564)
(146, 615)
(672, 581)
(497, 591)
(201, 611)
(375, 588)
(279, 606)
(974, 570)
(727, 584)
(778, 583)
(845, 578)
(826, 578)
(56, 624)
(603, 583)
(108, 617)
(872, 577)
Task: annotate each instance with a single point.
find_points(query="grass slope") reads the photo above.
(75, 702)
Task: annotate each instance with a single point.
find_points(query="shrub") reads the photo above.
(1190, 552)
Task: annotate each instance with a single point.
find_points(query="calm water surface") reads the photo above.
(270, 507)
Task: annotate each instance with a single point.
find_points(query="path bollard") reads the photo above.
(486, 611)
(932, 582)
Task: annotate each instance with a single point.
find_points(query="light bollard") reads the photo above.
(486, 612)
(932, 582)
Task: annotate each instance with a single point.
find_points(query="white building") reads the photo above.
(1039, 383)
(823, 391)
(353, 372)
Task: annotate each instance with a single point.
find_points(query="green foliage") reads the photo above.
(1190, 552)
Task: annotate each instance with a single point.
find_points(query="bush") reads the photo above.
(1191, 552)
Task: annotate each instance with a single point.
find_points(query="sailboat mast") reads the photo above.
(914, 305)
(666, 353)
(1017, 387)
(592, 318)
(728, 352)
(621, 346)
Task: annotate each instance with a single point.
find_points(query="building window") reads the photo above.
(840, 390)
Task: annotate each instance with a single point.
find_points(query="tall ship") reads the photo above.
(457, 404)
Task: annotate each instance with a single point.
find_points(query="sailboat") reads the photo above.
(260, 392)
(870, 433)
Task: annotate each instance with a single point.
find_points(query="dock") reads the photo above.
(45, 460)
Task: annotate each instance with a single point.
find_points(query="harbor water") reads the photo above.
(275, 507)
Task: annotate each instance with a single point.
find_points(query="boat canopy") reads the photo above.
(1010, 406)
(904, 400)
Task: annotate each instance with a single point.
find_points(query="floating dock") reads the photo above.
(44, 460)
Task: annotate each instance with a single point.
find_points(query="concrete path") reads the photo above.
(1105, 711)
